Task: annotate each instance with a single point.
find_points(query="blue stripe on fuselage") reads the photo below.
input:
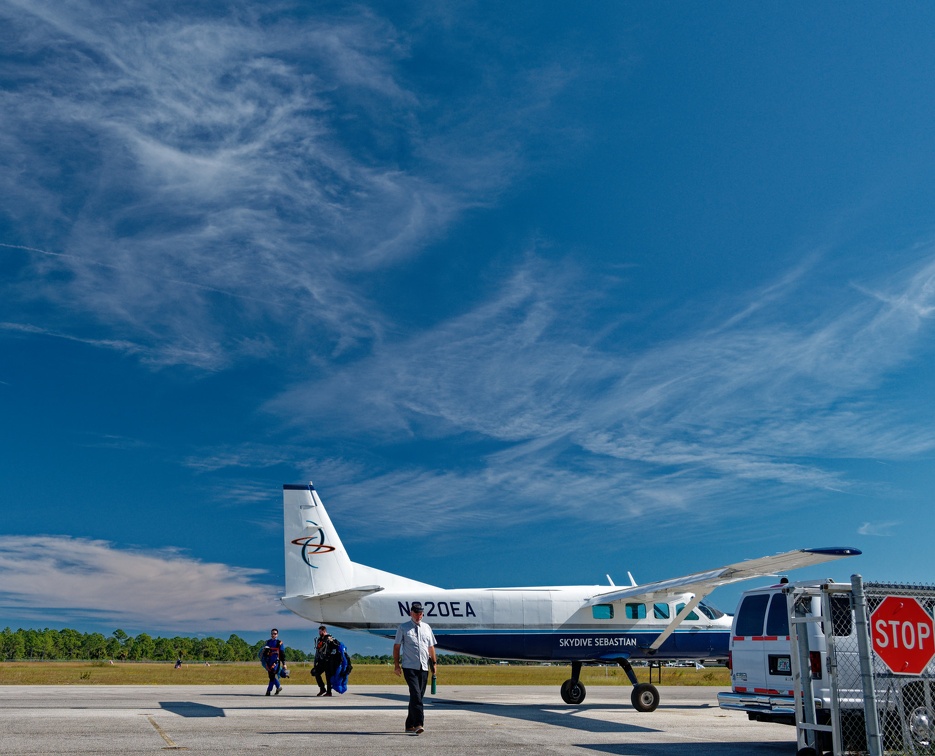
(547, 645)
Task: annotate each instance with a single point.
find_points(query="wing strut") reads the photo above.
(670, 628)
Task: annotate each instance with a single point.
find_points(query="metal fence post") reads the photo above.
(805, 719)
(831, 668)
(862, 623)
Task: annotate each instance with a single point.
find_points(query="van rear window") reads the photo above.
(777, 621)
(751, 614)
(841, 616)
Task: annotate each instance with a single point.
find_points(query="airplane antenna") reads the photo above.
(610, 580)
(632, 581)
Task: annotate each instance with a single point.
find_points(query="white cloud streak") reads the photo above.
(753, 407)
(884, 529)
(186, 177)
(75, 580)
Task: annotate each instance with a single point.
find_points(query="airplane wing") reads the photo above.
(703, 583)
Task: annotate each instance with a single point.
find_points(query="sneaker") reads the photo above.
(411, 730)
(278, 691)
(321, 693)
(328, 693)
(267, 692)
(419, 730)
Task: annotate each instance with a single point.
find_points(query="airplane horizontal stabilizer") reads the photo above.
(350, 593)
(705, 582)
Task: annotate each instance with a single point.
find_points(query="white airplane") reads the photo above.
(575, 624)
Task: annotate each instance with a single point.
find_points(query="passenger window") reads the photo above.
(841, 618)
(777, 621)
(602, 611)
(661, 611)
(750, 616)
(636, 611)
(691, 615)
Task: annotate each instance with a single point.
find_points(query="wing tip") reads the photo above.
(835, 551)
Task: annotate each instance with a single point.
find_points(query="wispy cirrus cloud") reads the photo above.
(79, 580)
(757, 405)
(884, 529)
(199, 173)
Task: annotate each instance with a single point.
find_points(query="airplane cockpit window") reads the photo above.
(691, 615)
(636, 611)
(602, 611)
(661, 611)
(710, 611)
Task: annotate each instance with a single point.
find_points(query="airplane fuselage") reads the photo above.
(542, 624)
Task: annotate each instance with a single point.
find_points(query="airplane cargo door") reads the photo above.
(537, 622)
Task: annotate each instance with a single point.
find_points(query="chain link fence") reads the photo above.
(878, 644)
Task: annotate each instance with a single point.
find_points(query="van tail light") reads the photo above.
(814, 663)
(730, 660)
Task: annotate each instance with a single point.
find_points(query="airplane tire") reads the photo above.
(644, 697)
(573, 693)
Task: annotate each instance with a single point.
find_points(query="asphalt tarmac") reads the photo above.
(459, 721)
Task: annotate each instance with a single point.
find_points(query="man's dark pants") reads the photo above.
(328, 670)
(416, 679)
(317, 672)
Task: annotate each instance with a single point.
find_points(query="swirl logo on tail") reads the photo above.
(313, 544)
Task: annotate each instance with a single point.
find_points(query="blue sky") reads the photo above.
(533, 293)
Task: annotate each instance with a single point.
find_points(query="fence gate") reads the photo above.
(880, 662)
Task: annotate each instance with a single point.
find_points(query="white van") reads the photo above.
(764, 659)
(761, 653)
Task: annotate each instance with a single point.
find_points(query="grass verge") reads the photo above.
(123, 673)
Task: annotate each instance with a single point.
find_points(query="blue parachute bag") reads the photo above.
(339, 678)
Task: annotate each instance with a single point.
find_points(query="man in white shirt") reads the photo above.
(413, 654)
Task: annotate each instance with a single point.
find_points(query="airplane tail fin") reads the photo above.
(316, 562)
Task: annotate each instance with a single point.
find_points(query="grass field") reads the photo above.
(122, 673)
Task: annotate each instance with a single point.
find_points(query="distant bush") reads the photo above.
(67, 644)
(72, 645)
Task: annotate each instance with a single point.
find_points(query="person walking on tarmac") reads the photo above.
(327, 660)
(274, 657)
(413, 655)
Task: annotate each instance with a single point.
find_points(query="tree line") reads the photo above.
(64, 645)
(60, 645)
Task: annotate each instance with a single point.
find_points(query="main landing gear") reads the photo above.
(644, 697)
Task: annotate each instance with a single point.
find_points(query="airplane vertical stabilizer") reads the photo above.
(316, 561)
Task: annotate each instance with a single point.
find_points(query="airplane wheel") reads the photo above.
(573, 693)
(644, 697)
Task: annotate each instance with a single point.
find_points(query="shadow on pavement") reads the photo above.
(692, 749)
(557, 715)
(190, 709)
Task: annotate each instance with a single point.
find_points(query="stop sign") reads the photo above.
(901, 634)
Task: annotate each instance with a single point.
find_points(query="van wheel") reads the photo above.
(644, 697)
(920, 726)
(919, 723)
(573, 692)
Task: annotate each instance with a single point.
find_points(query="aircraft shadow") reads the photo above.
(341, 733)
(538, 713)
(190, 709)
(688, 749)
